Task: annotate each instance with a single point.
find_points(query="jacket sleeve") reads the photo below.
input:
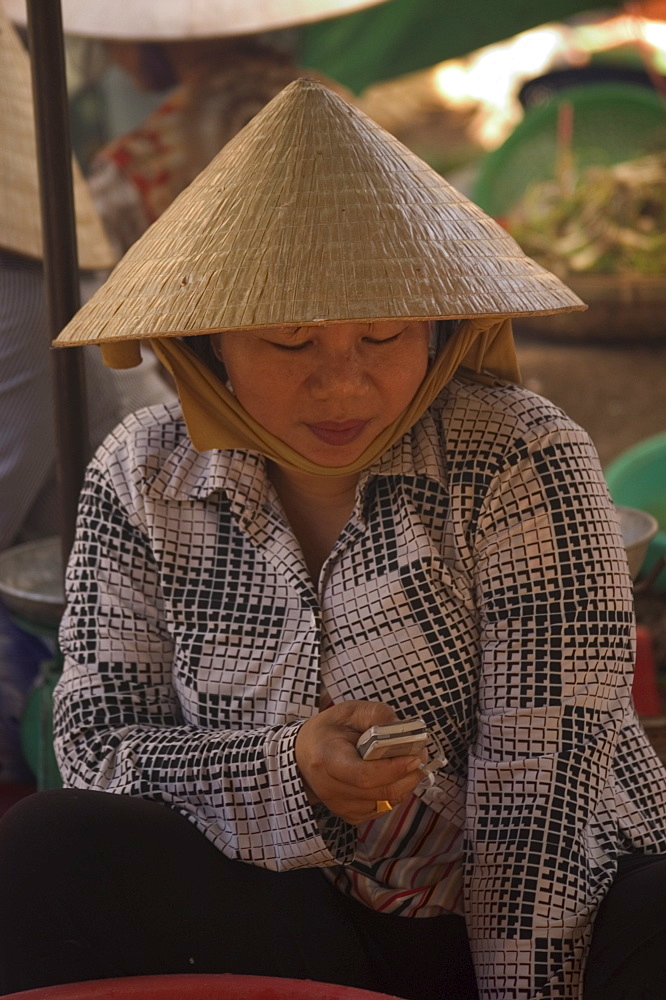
(557, 655)
(118, 722)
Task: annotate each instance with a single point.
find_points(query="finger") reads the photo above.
(403, 789)
(361, 715)
(349, 768)
(358, 812)
(346, 800)
(361, 811)
(395, 793)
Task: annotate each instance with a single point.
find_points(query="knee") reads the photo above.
(40, 826)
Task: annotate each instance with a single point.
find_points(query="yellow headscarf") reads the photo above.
(215, 418)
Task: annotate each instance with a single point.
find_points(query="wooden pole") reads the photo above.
(54, 157)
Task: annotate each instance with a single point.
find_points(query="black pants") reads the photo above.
(96, 885)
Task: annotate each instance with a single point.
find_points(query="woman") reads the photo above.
(359, 517)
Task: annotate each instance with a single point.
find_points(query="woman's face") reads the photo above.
(326, 391)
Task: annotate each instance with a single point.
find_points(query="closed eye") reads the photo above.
(385, 340)
(290, 347)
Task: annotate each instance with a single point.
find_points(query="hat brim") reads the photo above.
(20, 211)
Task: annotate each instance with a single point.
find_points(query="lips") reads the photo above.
(338, 433)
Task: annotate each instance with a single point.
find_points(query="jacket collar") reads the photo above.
(187, 474)
(419, 452)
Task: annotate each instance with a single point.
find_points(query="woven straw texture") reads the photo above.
(179, 19)
(20, 219)
(312, 214)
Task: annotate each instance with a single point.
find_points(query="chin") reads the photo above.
(334, 457)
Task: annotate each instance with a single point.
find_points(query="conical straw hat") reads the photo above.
(20, 220)
(153, 20)
(313, 213)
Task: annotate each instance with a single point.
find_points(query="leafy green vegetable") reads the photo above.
(613, 221)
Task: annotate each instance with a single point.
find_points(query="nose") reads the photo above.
(339, 373)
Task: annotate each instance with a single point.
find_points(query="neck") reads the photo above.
(307, 490)
(316, 508)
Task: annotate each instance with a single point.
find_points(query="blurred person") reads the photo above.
(216, 78)
(219, 85)
(28, 482)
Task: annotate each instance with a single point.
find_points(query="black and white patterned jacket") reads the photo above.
(481, 582)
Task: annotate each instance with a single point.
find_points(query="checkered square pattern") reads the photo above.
(481, 583)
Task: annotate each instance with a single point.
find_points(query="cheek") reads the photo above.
(255, 385)
(237, 361)
(400, 386)
(412, 368)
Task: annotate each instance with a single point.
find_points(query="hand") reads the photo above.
(335, 774)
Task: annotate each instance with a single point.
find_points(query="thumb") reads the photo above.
(361, 715)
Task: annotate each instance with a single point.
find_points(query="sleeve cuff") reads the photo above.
(305, 835)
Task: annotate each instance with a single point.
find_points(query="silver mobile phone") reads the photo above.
(397, 740)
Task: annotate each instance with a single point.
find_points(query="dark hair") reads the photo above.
(444, 330)
(203, 348)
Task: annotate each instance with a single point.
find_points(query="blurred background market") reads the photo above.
(518, 124)
(551, 116)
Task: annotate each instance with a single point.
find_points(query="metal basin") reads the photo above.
(638, 530)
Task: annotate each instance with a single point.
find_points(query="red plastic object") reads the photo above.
(645, 690)
(198, 987)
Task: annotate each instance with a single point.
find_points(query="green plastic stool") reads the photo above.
(37, 716)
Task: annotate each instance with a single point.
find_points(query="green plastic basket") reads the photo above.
(612, 122)
(637, 478)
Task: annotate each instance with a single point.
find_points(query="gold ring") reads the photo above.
(383, 806)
